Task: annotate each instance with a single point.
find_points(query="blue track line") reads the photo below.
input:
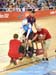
(42, 68)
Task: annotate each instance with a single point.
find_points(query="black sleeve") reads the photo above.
(21, 49)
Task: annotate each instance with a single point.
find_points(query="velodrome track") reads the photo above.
(7, 29)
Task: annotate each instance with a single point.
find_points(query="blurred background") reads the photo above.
(26, 5)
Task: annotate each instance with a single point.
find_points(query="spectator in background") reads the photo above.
(3, 5)
(50, 5)
(54, 3)
(17, 8)
(44, 6)
(23, 4)
(33, 6)
(39, 3)
(10, 8)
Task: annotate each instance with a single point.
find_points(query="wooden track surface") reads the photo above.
(14, 27)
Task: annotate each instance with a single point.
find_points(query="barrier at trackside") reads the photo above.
(18, 16)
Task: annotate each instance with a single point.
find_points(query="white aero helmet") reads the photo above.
(24, 22)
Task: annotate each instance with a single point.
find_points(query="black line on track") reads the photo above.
(19, 66)
(39, 60)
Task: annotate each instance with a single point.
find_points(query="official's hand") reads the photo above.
(26, 38)
(32, 40)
